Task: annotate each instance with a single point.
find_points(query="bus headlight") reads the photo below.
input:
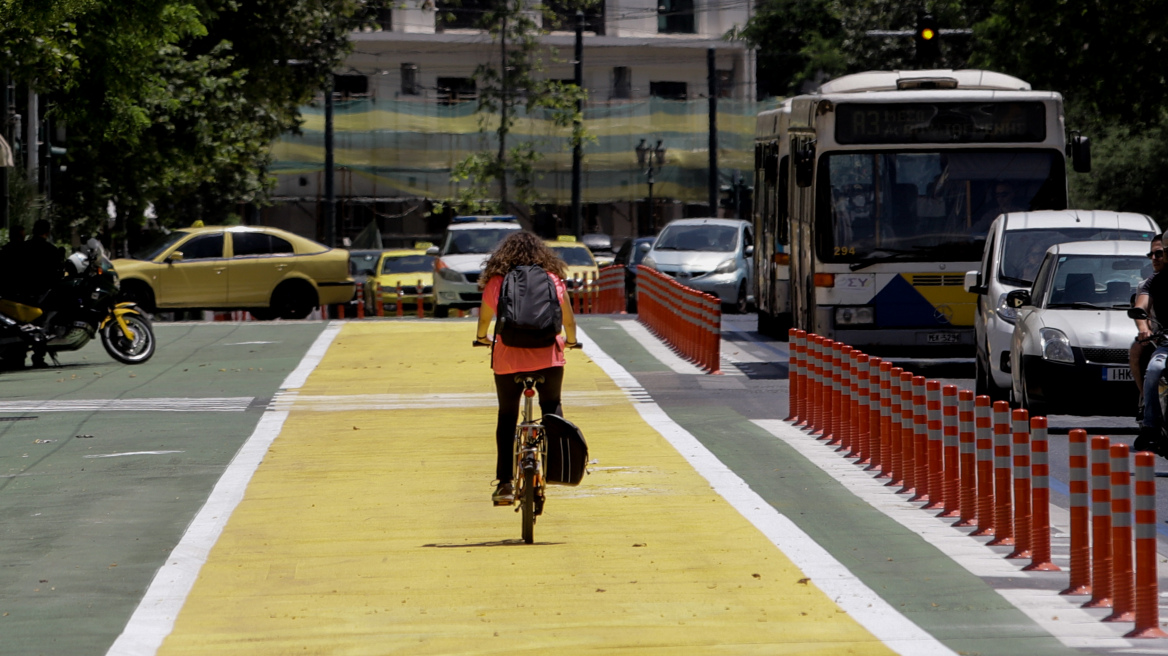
(855, 315)
(1055, 346)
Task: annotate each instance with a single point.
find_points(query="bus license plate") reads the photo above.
(1117, 374)
(943, 338)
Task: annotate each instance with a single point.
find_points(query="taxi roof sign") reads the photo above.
(422, 245)
(566, 238)
(501, 218)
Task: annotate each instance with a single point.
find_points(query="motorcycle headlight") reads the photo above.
(1007, 313)
(729, 266)
(1055, 346)
(649, 262)
(450, 274)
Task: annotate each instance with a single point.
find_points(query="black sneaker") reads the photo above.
(1148, 440)
(504, 494)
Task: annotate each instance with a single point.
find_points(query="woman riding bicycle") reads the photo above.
(521, 249)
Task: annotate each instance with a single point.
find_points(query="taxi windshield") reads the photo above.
(574, 256)
(408, 264)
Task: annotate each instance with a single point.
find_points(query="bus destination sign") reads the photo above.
(940, 122)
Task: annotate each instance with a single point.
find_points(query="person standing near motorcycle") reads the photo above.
(1141, 349)
(43, 265)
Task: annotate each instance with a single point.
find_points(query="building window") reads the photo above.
(560, 15)
(669, 90)
(454, 90)
(409, 80)
(725, 83)
(675, 17)
(622, 82)
(461, 14)
(350, 86)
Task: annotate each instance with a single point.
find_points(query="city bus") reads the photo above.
(874, 195)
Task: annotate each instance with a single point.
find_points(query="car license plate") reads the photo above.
(1117, 374)
(943, 338)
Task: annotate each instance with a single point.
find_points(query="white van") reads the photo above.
(1015, 246)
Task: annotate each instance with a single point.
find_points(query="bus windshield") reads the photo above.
(927, 206)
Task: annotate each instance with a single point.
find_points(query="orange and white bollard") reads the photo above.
(379, 302)
(1147, 597)
(1003, 523)
(885, 421)
(896, 433)
(920, 442)
(400, 300)
(815, 381)
(418, 295)
(874, 400)
(1080, 573)
(934, 445)
(951, 456)
(846, 435)
(984, 437)
(967, 456)
(361, 302)
(835, 408)
(1122, 590)
(861, 411)
(1040, 559)
(793, 375)
(801, 410)
(1021, 459)
(1100, 523)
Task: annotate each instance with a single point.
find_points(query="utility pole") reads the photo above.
(577, 154)
(712, 184)
(330, 196)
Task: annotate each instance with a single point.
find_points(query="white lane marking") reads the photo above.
(155, 615)
(1074, 628)
(858, 600)
(657, 348)
(358, 402)
(164, 404)
(132, 453)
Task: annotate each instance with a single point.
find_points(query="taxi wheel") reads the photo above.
(441, 311)
(294, 300)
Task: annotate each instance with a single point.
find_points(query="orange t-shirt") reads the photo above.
(513, 360)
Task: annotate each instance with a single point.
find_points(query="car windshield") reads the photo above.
(408, 264)
(922, 206)
(1093, 281)
(159, 246)
(716, 238)
(574, 256)
(363, 262)
(480, 241)
(1023, 250)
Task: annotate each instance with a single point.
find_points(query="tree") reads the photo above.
(798, 44)
(504, 86)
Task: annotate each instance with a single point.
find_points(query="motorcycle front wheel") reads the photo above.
(129, 351)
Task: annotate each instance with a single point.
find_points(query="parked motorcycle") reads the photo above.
(80, 306)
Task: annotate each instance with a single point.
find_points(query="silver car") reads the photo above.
(710, 255)
(468, 242)
(1071, 338)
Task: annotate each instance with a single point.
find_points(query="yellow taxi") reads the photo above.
(268, 271)
(408, 267)
(578, 257)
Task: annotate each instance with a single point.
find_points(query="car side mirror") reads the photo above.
(644, 247)
(973, 283)
(748, 251)
(1018, 298)
(176, 256)
(433, 250)
(1139, 314)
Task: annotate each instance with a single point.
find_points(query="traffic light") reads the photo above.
(928, 41)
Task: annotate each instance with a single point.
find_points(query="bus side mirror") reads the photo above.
(805, 165)
(1080, 148)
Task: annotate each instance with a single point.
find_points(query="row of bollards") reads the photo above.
(987, 466)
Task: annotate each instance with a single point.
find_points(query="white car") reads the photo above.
(1072, 333)
(466, 246)
(711, 255)
(1015, 246)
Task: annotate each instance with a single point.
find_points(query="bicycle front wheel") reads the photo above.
(528, 504)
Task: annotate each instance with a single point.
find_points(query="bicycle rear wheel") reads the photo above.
(528, 504)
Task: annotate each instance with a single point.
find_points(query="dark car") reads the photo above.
(629, 256)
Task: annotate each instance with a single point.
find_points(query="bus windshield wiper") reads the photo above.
(893, 254)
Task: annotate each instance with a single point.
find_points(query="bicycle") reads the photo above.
(530, 456)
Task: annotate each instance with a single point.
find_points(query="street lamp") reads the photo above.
(650, 158)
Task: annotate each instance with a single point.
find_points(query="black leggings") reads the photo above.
(510, 395)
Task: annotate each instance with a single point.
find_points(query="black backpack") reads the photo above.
(528, 314)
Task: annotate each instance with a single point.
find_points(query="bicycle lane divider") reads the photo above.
(154, 617)
(373, 531)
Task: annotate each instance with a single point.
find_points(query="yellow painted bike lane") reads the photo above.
(368, 529)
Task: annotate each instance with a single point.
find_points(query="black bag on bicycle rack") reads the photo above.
(567, 452)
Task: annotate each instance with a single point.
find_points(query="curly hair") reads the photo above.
(520, 249)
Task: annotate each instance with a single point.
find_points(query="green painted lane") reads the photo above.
(93, 500)
(916, 578)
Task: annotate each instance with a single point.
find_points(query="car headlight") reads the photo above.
(854, 316)
(1055, 346)
(649, 262)
(1005, 312)
(450, 274)
(729, 266)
